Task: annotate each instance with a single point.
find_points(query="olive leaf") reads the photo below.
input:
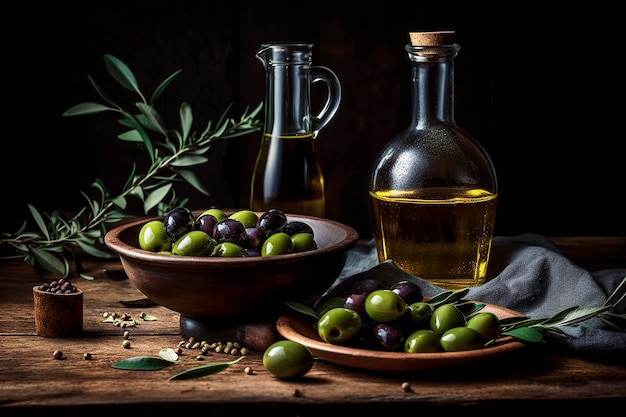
(469, 308)
(208, 369)
(526, 334)
(143, 363)
(302, 308)
(447, 297)
(59, 239)
(533, 329)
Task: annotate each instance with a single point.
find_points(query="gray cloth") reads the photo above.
(528, 274)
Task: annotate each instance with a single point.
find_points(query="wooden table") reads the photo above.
(528, 380)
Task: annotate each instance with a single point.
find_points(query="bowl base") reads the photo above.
(255, 336)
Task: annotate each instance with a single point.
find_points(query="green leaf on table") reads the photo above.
(143, 363)
(208, 369)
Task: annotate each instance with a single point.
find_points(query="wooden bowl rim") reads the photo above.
(115, 243)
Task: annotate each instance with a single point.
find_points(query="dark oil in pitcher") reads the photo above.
(289, 176)
(434, 232)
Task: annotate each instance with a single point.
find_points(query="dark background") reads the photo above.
(538, 88)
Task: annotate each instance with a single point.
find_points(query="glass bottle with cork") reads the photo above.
(433, 189)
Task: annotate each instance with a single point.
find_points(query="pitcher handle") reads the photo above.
(333, 97)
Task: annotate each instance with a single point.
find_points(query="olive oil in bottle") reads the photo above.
(433, 189)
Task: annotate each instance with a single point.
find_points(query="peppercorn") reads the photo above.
(126, 344)
(58, 354)
(87, 356)
(61, 286)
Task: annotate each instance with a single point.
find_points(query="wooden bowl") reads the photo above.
(224, 288)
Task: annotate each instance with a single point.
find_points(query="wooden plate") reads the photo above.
(300, 329)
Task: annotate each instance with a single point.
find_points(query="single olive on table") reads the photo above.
(399, 318)
(213, 233)
(286, 359)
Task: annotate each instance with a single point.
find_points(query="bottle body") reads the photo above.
(287, 174)
(433, 190)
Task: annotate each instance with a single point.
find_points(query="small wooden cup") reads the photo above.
(58, 315)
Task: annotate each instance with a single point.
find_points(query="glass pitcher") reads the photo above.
(287, 174)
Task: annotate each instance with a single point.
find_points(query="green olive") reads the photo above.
(215, 212)
(422, 341)
(419, 314)
(228, 250)
(445, 317)
(277, 244)
(152, 237)
(303, 242)
(194, 243)
(247, 217)
(461, 338)
(486, 324)
(385, 306)
(339, 325)
(287, 359)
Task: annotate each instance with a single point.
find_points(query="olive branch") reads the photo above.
(171, 152)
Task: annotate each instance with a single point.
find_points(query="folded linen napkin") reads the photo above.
(528, 274)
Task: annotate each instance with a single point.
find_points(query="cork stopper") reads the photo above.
(432, 38)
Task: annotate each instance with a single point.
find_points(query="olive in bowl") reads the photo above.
(218, 287)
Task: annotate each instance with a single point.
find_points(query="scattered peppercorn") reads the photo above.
(406, 387)
(126, 344)
(231, 348)
(87, 356)
(126, 335)
(248, 371)
(58, 354)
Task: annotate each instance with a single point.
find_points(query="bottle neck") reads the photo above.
(432, 78)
